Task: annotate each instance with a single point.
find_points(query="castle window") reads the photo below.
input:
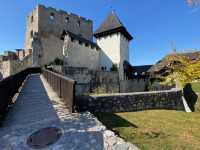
(31, 34)
(32, 19)
(80, 42)
(67, 19)
(79, 23)
(52, 16)
(72, 39)
(86, 44)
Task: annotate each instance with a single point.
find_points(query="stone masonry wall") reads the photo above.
(17, 66)
(89, 80)
(48, 20)
(48, 24)
(4, 69)
(80, 54)
(11, 67)
(128, 102)
(134, 85)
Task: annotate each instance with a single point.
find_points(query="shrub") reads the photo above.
(114, 67)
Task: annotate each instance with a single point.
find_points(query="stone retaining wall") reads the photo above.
(127, 102)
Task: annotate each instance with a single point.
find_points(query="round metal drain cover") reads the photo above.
(44, 137)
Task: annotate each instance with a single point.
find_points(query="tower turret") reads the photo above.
(113, 38)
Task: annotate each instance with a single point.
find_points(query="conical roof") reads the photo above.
(111, 25)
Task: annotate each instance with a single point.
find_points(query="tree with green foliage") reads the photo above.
(182, 70)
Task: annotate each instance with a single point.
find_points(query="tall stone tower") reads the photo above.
(113, 38)
(45, 26)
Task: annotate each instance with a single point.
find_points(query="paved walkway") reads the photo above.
(38, 106)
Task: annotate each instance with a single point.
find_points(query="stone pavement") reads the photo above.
(38, 106)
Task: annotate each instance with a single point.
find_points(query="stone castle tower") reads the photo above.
(48, 27)
(113, 38)
(45, 27)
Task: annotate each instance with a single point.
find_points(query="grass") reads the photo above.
(157, 129)
(196, 87)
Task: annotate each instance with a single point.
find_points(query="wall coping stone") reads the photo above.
(135, 93)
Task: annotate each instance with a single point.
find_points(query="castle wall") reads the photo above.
(115, 49)
(11, 67)
(124, 54)
(52, 47)
(48, 25)
(62, 20)
(128, 102)
(17, 65)
(5, 69)
(135, 85)
(110, 46)
(80, 55)
(89, 81)
(31, 28)
(21, 53)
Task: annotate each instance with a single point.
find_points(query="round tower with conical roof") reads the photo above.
(113, 38)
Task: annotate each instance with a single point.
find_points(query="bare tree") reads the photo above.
(193, 2)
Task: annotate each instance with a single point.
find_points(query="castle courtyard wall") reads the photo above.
(128, 102)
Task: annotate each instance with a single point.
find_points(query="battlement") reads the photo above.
(63, 12)
(48, 21)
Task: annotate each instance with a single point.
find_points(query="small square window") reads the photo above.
(66, 19)
(52, 16)
(31, 34)
(79, 23)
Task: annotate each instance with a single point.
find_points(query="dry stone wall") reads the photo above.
(128, 102)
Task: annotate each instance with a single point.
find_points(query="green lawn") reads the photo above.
(157, 129)
(196, 87)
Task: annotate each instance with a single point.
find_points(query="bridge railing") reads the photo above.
(63, 86)
(10, 86)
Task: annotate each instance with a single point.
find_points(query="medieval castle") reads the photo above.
(52, 33)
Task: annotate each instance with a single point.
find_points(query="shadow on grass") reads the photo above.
(190, 96)
(111, 120)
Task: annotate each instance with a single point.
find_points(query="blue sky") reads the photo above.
(156, 25)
